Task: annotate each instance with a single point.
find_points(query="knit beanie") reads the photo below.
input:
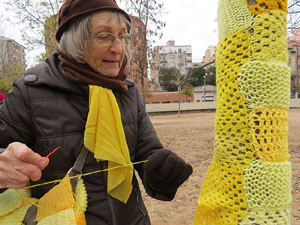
(72, 9)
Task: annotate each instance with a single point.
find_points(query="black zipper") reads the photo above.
(109, 198)
(138, 202)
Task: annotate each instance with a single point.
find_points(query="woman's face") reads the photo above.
(106, 58)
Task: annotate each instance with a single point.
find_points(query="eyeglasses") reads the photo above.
(108, 39)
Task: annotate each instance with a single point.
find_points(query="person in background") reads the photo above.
(81, 99)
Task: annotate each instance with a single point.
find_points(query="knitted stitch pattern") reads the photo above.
(236, 16)
(260, 6)
(249, 180)
(56, 207)
(13, 208)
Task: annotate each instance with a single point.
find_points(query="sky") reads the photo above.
(188, 22)
(191, 22)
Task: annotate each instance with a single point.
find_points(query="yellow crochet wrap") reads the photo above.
(58, 206)
(249, 179)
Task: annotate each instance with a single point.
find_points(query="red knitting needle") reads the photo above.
(52, 152)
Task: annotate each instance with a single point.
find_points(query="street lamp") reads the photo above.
(204, 89)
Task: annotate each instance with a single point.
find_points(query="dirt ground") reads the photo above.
(191, 136)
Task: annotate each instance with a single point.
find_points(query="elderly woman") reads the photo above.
(81, 100)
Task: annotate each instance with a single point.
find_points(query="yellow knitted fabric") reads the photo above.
(222, 199)
(13, 208)
(269, 130)
(15, 217)
(81, 203)
(268, 37)
(10, 200)
(260, 6)
(59, 207)
(278, 216)
(64, 217)
(265, 84)
(56, 207)
(268, 184)
(57, 199)
(249, 179)
(229, 24)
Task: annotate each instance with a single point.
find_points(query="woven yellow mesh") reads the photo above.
(15, 217)
(11, 200)
(269, 129)
(249, 180)
(260, 6)
(268, 37)
(265, 84)
(229, 24)
(279, 216)
(222, 199)
(64, 217)
(57, 199)
(81, 202)
(268, 185)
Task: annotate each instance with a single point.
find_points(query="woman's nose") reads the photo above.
(116, 46)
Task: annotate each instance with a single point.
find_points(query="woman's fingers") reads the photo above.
(25, 154)
(19, 164)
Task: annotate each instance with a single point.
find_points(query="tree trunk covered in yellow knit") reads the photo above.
(249, 180)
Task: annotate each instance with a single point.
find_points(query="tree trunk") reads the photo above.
(179, 92)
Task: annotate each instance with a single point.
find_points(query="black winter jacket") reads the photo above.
(45, 110)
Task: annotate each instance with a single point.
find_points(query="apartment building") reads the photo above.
(12, 57)
(168, 56)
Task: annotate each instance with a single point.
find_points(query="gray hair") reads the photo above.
(74, 41)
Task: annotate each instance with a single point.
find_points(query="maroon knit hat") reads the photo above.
(74, 8)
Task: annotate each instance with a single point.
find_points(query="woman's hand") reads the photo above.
(19, 164)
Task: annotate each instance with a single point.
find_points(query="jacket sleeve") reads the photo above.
(15, 116)
(147, 144)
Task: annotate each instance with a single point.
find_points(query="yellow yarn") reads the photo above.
(268, 185)
(11, 200)
(260, 6)
(15, 217)
(278, 216)
(64, 217)
(81, 203)
(56, 207)
(269, 130)
(222, 199)
(249, 179)
(268, 37)
(229, 24)
(265, 84)
(57, 199)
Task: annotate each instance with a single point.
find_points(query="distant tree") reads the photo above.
(167, 78)
(171, 79)
(211, 75)
(37, 20)
(293, 19)
(197, 76)
(188, 90)
(149, 29)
